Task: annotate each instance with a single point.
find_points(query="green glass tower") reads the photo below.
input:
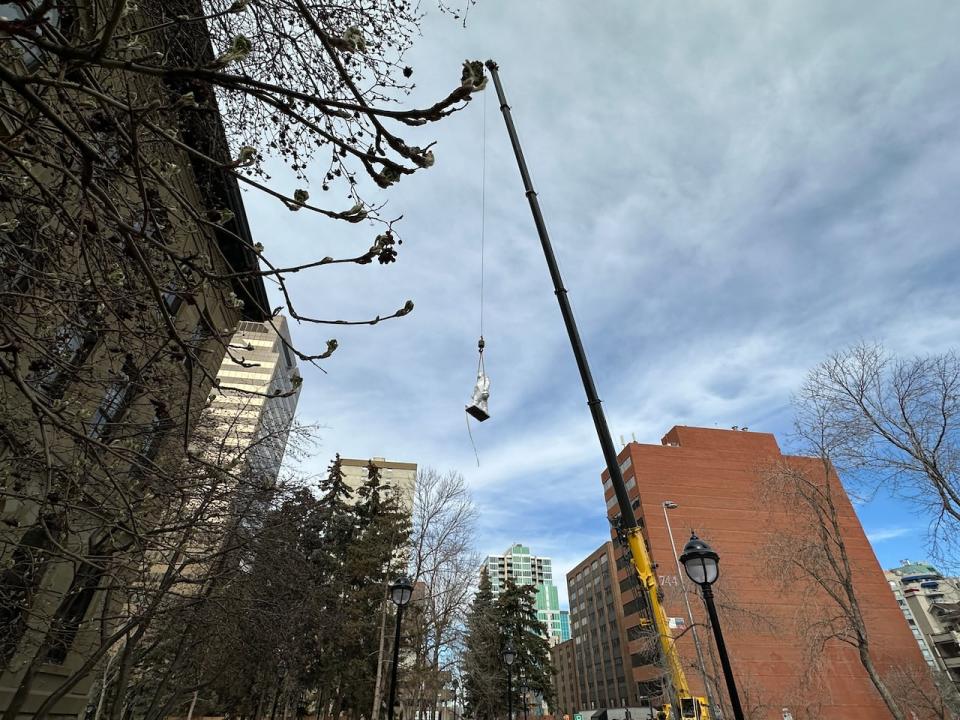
(525, 569)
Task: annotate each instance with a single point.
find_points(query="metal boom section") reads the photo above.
(638, 548)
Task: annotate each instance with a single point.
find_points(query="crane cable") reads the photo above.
(483, 223)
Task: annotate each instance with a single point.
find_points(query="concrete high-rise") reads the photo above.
(519, 565)
(715, 478)
(401, 477)
(930, 604)
(253, 407)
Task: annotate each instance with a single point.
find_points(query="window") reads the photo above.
(115, 403)
(72, 611)
(29, 53)
(161, 424)
(20, 581)
(172, 302)
(72, 345)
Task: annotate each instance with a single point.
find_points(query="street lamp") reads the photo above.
(400, 592)
(703, 567)
(509, 655)
(670, 505)
(524, 689)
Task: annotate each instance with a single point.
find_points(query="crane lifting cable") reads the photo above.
(478, 408)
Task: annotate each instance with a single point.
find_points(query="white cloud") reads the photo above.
(733, 193)
(884, 534)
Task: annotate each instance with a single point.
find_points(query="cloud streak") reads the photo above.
(885, 534)
(733, 193)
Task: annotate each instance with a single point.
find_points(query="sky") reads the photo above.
(734, 190)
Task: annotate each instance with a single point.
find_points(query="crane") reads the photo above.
(690, 706)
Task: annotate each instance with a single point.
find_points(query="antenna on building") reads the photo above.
(633, 436)
(621, 440)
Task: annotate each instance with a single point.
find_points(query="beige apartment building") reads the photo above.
(258, 386)
(931, 606)
(121, 355)
(401, 477)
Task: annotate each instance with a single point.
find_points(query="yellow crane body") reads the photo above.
(690, 706)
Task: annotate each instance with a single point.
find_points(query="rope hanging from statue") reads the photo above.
(478, 408)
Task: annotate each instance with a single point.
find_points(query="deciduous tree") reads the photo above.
(892, 422)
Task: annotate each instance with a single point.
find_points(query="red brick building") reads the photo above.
(714, 476)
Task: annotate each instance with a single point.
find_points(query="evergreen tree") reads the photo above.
(484, 678)
(516, 611)
(382, 526)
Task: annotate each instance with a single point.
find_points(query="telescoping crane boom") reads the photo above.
(689, 706)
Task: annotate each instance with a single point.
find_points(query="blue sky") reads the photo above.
(734, 190)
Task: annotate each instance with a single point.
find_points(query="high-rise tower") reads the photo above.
(259, 385)
(525, 569)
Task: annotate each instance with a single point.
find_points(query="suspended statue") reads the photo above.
(481, 391)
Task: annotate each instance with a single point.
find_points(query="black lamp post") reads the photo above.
(702, 565)
(509, 655)
(524, 689)
(400, 592)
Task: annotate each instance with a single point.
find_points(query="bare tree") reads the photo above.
(442, 557)
(809, 556)
(893, 422)
(158, 575)
(913, 688)
(127, 131)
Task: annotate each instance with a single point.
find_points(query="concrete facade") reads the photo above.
(53, 615)
(400, 476)
(259, 386)
(930, 604)
(604, 672)
(714, 476)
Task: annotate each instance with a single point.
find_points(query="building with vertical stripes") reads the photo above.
(519, 565)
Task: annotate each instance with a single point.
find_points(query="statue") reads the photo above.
(481, 393)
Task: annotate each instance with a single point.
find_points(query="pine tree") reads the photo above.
(382, 526)
(484, 677)
(516, 611)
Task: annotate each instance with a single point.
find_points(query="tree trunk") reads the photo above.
(193, 704)
(122, 674)
(377, 698)
(276, 697)
(878, 683)
(338, 701)
(322, 702)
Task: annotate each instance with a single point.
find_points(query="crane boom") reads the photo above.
(640, 556)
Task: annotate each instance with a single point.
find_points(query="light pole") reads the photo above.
(509, 655)
(702, 564)
(670, 505)
(524, 689)
(400, 593)
(456, 687)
